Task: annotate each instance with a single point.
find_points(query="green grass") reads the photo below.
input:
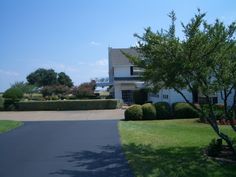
(7, 125)
(171, 148)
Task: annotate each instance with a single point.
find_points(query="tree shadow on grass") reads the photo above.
(108, 162)
(174, 162)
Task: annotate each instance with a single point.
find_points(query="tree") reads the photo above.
(59, 90)
(85, 90)
(204, 60)
(64, 79)
(42, 77)
(25, 87)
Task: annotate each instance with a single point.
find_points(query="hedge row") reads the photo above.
(161, 110)
(67, 105)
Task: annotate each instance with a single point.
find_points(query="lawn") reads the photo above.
(7, 125)
(171, 148)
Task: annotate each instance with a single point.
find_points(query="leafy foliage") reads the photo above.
(42, 77)
(59, 90)
(85, 90)
(25, 87)
(205, 59)
(134, 112)
(163, 110)
(64, 79)
(67, 105)
(149, 111)
(13, 93)
(184, 110)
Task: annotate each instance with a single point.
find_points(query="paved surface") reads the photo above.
(63, 115)
(63, 149)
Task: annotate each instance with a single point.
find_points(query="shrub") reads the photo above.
(13, 93)
(1, 103)
(149, 111)
(59, 90)
(85, 90)
(217, 108)
(12, 96)
(67, 105)
(214, 147)
(140, 96)
(184, 110)
(163, 110)
(134, 112)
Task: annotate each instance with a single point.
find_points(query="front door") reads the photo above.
(127, 96)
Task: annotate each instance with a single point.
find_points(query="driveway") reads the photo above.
(63, 115)
(63, 149)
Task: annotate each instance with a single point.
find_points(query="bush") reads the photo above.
(149, 111)
(134, 112)
(1, 103)
(214, 147)
(67, 105)
(184, 110)
(13, 93)
(163, 110)
(140, 96)
(12, 96)
(217, 108)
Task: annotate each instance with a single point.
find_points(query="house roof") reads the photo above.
(116, 57)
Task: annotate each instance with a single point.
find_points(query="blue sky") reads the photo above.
(74, 35)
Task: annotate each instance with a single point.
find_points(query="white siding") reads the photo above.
(172, 96)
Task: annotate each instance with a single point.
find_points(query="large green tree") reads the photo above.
(64, 79)
(42, 77)
(204, 59)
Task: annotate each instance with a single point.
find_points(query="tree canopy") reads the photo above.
(45, 77)
(205, 59)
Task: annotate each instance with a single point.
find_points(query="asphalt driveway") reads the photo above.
(63, 149)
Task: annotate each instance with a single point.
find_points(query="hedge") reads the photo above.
(134, 112)
(149, 111)
(67, 105)
(184, 110)
(163, 110)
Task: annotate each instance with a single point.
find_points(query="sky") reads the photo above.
(73, 36)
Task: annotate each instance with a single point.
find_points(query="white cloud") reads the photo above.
(95, 43)
(9, 73)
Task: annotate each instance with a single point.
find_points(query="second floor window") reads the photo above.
(135, 71)
(165, 96)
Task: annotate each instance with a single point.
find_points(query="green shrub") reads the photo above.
(184, 110)
(1, 103)
(218, 109)
(214, 147)
(140, 96)
(134, 112)
(11, 97)
(163, 110)
(13, 93)
(67, 105)
(149, 111)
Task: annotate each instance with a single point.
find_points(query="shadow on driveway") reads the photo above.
(109, 162)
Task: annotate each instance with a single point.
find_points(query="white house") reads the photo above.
(125, 78)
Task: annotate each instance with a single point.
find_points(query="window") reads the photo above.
(135, 71)
(165, 96)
